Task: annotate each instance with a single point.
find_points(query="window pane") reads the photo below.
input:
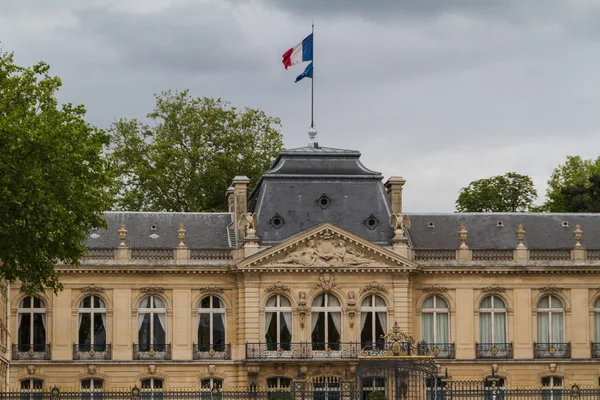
(158, 383)
(486, 303)
(26, 303)
(39, 329)
(37, 384)
(318, 333)
(86, 384)
(86, 302)
(442, 328)
(205, 302)
(485, 328)
(333, 327)
(26, 384)
(366, 302)
(85, 329)
(284, 302)
(204, 330)
(498, 302)
(544, 302)
(271, 331)
(159, 329)
(366, 333)
(217, 303)
(218, 331)
(380, 302)
(38, 303)
(24, 330)
(440, 302)
(597, 303)
(158, 303)
(98, 384)
(98, 302)
(428, 303)
(99, 330)
(144, 333)
(427, 327)
(145, 302)
(556, 303)
(205, 384)
(333, 301)
(146, 383)
(319, 301)
(285, 332)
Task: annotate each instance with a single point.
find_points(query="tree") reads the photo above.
(575, 172)
(503, 193)
(53, 177)
(377, 395)
(582, 198)
(187, 159)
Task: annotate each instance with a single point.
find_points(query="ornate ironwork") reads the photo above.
(302, 350)
(494, 350)
(438, 350)
(91, 352)
(212, 351)
(31, 352)
(552, 350)
(151, 351)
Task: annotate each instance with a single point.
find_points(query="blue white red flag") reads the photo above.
(301, 52)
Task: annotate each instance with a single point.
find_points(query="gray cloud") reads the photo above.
(440, 92)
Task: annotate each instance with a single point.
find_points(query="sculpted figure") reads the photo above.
(399, 223)
(307, 256)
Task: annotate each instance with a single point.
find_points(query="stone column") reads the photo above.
(403, 301)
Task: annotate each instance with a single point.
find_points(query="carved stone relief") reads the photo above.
(494, 288)
(302, 307)
(91, 369)
(152, 289)
(277, 288)
(374, 286)
(151, 369)
(31, 369)
(212, 369)
(211, 289)
(92, 289)
(550, 289)
(351, 309)
(435, 289)
(326, 282)
(327, 250)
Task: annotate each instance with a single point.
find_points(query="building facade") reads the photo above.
(303, 276)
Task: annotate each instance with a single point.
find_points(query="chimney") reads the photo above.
(240, 202)
(230, 199)
(393, 189)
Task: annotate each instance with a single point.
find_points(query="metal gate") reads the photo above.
(393, 367)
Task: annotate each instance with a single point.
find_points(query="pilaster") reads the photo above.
(403, 300)
(522, 340)
(61, 338)
(465, 337)
(182, 342)
(122, 320)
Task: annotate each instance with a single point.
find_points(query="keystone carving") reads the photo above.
(151, 369)
(494, 288)
(373, 286)
(435, 289)
(91, 369)
(277, 288)
(92, 289)
(326, 282)
(31, 369)
(212, 369)
(351, 309)
(211, 289)
(279, 369)
(550, 289)
(152, 289)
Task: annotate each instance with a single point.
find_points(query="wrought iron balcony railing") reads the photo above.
(212, 351)
(302, 350)
(91, 352)
(439, 350)
(552, 350)
(595, 350)
(31, 352)
(494, 350)
(151, 351)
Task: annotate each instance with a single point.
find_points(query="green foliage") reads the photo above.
(582, 198)
(53, 179)
(377, 395)
(187, 159)
(503, 193)
(575, 172)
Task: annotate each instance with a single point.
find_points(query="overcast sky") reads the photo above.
(439, 92)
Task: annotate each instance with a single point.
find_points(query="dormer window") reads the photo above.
(430, 225)
(276, 221)
(499, 223)
(564, 224)
(323, 201)
(371, 222)
(153, 228)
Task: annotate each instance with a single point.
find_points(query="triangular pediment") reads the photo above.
(327, 245)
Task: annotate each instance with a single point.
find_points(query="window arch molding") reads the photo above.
(385, 295)
(593, 299)
(265, 296)
(82, 295)
(197, 300)
(342, 297)
(156, 375)
(135, 303)
(216, 375)
(17, 300)
(425, 295)
(560, 295)
(507, 301)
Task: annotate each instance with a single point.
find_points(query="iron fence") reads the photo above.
(446, 391)
(91, 352)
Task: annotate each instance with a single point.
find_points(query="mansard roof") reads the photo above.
(498, 230)
(158, 230)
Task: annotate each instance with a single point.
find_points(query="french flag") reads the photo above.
(301, 52)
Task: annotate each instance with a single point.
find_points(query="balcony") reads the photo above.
(151, 351)
(31, 352)
(302, 350)
(595, 350)
(552, 350)
(493, 350)
(91, 352)
(438, 350)
(212, 352)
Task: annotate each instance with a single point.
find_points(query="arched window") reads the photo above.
(31, 320)
(278, 322)
(550, 320)
(326, 322)
(152, 389)
(92, 325)
(435, 320)
(92, 388)
(373, 320)
(211, 324)
(152, 324)
(211, 383)
(492, 321)
(278, 383)
(597, 321)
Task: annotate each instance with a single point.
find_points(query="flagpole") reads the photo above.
(312, 89)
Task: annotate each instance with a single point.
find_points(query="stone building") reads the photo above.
(305, 273)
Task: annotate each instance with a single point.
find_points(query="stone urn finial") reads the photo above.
(181, 233)
(521, 237)
(462, 234)
(122, 235)
(578, 233)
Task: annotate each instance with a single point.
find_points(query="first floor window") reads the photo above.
(211, 383)
(435, 320)
(31, 389)
(211, 324)
(494, 388)
(326, 322)
(92, 324)
(152, 389)
(278, 322)
(492, 321)
(278, 383)
(550, 320)
(552, 386)
(372, 384)
(31, 324)
(152, 324)
(373, 320)
(92, 388)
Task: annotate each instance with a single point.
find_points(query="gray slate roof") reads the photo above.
(543, 230)
(203, 230)
(300, 176)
